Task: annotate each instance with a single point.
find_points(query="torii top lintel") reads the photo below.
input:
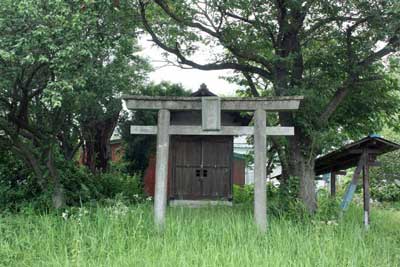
(282, 103)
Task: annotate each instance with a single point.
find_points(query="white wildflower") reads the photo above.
(333, 222)
(65, 215)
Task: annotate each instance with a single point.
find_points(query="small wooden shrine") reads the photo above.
(201, 166)
(196, 134)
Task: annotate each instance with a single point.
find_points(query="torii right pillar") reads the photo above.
(260, 172)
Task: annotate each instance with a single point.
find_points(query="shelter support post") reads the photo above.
(353, 184)
(366, 192)
(160, 193)
(333, 184)
(260, 158)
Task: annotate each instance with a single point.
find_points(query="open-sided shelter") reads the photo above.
(361, 154)
(202, 129)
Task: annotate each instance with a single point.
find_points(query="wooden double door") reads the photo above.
(201, 167)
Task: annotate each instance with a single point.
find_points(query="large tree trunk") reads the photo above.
(97, 143)
(300, 160)
(58, 195)
(301, 165)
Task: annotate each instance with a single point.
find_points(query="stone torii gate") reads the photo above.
(211, 108)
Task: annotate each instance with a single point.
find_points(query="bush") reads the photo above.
(82, 186)
(19, 188)
(328, 207)
(120, 185)
(385, 191)
(243, 194)
(17, 185)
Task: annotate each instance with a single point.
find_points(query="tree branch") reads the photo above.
(189, 23)
(32, 75)
(252, 86)
(343, 90)
(210, 66)
(338, 97)
(323, 22)
(390, 47)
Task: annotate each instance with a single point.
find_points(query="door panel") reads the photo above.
(201, 167)
(217, 155)
(187, 159)
(217, 183)
(186, 183)
(187, 152)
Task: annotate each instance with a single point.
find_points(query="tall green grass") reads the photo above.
(214, 236)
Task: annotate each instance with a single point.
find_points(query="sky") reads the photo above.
(189, 78)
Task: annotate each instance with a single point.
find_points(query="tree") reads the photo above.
(139, 148)
(329, 51)
(46, 50)
(114, 71)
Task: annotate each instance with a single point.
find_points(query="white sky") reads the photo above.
(189, 78)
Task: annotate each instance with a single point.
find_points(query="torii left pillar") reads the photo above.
(160, 196)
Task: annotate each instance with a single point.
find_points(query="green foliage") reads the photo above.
(139, 148)
(114, 185)
(277, 203)
(64, 66)
(289, 193)
(82, 186)
(17, 188)
(243, 194)
(385, 191)
(328, 207)
(385, 178)
(313, 50)
(330, 52)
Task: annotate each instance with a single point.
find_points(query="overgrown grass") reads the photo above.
(215, 236)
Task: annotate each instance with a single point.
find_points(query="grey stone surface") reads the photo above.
(260, 160)
(199, 203)
(160, 193)
(225, 130)
(194, 103)
(211, 113)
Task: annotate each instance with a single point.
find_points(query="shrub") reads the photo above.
(243, 194)
(120, 185)
(17, 186)
(82, 186)
(384, 190)
(328, 207)
(19, 189)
